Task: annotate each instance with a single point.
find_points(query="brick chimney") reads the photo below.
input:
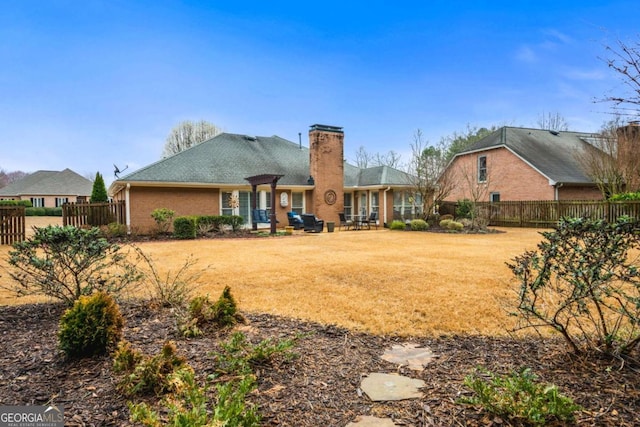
(629, 154)
(326, 164)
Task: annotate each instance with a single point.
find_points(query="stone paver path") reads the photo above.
(411, 355)
(367, 421)
(383, 387)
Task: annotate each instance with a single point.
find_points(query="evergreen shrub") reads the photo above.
(91, 327)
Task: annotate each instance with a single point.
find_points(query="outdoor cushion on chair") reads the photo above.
(312, 224)
(295, 220)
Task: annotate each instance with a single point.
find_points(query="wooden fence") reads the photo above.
(12, 224)
(93, 214)
(547, 213)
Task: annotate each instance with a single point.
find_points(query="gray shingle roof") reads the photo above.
(553, 154)
(227, 159)
(49, 183)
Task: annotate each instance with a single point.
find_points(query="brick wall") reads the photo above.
(184, 201)
(506, 174)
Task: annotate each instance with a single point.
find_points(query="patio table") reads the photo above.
(357, 222)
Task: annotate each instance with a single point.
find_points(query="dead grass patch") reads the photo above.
(383, 282)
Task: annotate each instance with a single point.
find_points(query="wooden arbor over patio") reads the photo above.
(261, 180)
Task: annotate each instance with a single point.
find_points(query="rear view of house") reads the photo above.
(205, 179)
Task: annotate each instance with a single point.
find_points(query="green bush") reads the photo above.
(519, 397)
(92, 326)
(624, 197)
(235, 381)
(68, 262)
(163, 217)
(113, 229)
(419, 225)
(397, 225)
(464, 209)
(583, 282)
(189, 406)
(224, 312)
(35, 212)
(452, 225)
(53, 211)
(235, 221)
(144, 375)
(25, 203)
(184, 227)
(210, 223)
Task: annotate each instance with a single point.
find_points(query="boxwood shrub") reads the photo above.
(184, 227)
(397, 225)
(419, 225)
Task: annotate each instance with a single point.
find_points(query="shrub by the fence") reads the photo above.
(25, 203)
(35, 212)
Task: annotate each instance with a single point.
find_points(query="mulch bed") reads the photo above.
(320, 387)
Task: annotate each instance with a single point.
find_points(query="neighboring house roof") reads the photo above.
(49, 183)
(553, 154)
(227, 159)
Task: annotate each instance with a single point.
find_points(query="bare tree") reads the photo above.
(600, 160)
(363, 158)
(187, 134)
(9, 177)
(477, 186)
(624, 59)
(427, 170)
(552, 121)
(391, 159)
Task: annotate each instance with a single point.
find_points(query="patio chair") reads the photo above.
(312, 224)
(344, 222)
(373, 219)
(295, 220)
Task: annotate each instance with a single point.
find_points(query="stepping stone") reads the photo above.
(381, 387)
(367, 421)
(412, 355)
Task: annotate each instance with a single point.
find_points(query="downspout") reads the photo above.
(384, 203)
(557, 187)
(127, 206)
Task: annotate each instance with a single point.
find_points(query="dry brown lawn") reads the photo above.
(384, 282)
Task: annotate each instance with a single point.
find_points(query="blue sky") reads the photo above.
(86, 84)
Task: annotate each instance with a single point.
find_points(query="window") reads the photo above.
(61, 201)
(267, 201)
(482, 169)
(226, 203)
(375, 197)
(37, 202)
(494, 197)
(297, 202)
(348, 206)
(402, 205)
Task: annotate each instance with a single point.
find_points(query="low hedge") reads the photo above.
(43, 211)
(186, 227)
(25, 203)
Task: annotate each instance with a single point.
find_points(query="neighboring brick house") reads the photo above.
(49, 189)
(203, 179)
(523, 164)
